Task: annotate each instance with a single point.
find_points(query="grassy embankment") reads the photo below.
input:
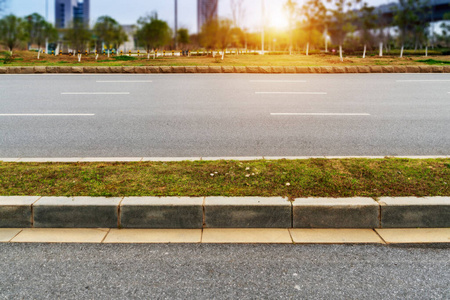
(297, 178)
(29, 58)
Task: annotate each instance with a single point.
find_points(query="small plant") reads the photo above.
(8, 58)
(124, 58)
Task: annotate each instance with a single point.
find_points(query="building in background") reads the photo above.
(66, 11)
(206, 10)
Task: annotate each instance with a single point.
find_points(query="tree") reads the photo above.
(291, 7)
(367, 24)
(153, 33)
(39, 30)
(183, 37)
(409, 18)
(445, 27)
(78, 35)
(109, 32)
(342, 19)
(12, 31)
(216, 34)
(238, 12)
(314, 14)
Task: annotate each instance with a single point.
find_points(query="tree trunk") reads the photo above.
(364, 54)
(307, 49)
(39, 53)
(401, 51)
(223, 54)
(340, 53)
(426, 51)
(381, 49)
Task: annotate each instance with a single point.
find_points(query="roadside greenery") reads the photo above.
(296, 178)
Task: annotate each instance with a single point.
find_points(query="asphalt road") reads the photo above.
(82, 271)
(211, 115)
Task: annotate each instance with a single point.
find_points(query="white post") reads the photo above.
(96, 57)
(401, 52)
(79, 57)
(307, 49)
(39, 53)
(223, 54)
(426, 51)
(340, 53)
(364, 54)
(381, 49)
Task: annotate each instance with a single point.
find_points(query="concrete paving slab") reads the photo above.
(240, 158)
(76, 212)
(171, 158)
(9, 159)
(167, 212)
(154, 236)
(247, 212)
(334, 236)
(246, 236)
(51, 159)
(66, 235)
(413, 212)
(6, 234)
(357, 212)
(15, 211)
(110, 159)
(414, 235)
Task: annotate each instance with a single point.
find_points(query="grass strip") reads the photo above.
(288, 178)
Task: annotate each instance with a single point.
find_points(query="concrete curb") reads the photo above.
(222, 69)
(221, 212)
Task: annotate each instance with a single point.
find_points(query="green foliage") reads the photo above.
(435, 62)
(410, 20)
(367, 23)
(8, 58)
(108, 31)
(183, 36)
(38, 30)
(313, 13)
(342, 19)
(78, 35)
(216, 34)
(12, 31)
(124, 58)
(153, 33)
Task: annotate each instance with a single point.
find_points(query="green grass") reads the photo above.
(297, 178)
(435, 62)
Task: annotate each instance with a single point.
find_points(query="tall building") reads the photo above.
(66, 11)
(206, 10)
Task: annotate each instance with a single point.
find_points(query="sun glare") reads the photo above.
(278, 19)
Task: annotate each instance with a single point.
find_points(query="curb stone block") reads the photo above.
(387, 69)
(39, 70)
(240, 69)
(76, 212)
(203, 69)
(128, 69)
(178, 69)
(27, 70)
(351, 69)
(302, 70)
(336, 213)
(411, 212)
(165, 69)
(191, 69)
(140, 70)
(103, 70)
(52, 70)
(15, 212)
(437, 69)
(167, 212)
(14, 70)
(399, 69)
(277, 70)
(116, 69)
(425, 69)
(253, 69)
(363, 69)
(265, 69)
(4, 70)
(77, 70)
(227, 69)
(65, 70)
(414, 69)
(89, 70)
(376, 69)
(315, 70)
(215, 69)
(289, 70)
(446, 69)
(247, 212)
(153, 69)
(326, 70)
(338, 69)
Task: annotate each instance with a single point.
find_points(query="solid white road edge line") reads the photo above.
(46, 115)
(290, 93)
(97, 93)
(424, 80)
(319, 114)
(123, 81)
(168, 159)
(278, 81)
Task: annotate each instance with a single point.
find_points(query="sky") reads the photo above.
(127, 12)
